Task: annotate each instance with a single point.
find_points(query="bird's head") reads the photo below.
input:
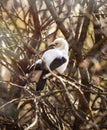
(60, 43)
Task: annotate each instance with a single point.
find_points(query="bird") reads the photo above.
(55, 59)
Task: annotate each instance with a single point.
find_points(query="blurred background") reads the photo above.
(76, 100)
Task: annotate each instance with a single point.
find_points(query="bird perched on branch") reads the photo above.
(55, 59)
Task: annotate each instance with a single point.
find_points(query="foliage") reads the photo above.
(76, 100)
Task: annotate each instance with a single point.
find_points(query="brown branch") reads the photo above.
(37, 27)
(97, 47)
(58, 20)
(10, 18)
(77, 47)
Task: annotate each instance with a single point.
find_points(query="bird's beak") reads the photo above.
(51, 46)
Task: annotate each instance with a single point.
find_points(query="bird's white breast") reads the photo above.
(50, 55)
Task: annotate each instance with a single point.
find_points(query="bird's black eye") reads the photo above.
(56, 44)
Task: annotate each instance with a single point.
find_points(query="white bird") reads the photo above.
(56, 59)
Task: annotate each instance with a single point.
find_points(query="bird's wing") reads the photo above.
(57, 62)
(35, 66)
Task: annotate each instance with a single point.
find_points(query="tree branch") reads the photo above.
(58, 20)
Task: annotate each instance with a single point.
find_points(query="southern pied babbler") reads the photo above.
(56, 59)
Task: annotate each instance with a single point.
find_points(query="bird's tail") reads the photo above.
(42, 81)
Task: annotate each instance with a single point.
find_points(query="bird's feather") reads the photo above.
(42, 80)
(58, 61)
(35, 66)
